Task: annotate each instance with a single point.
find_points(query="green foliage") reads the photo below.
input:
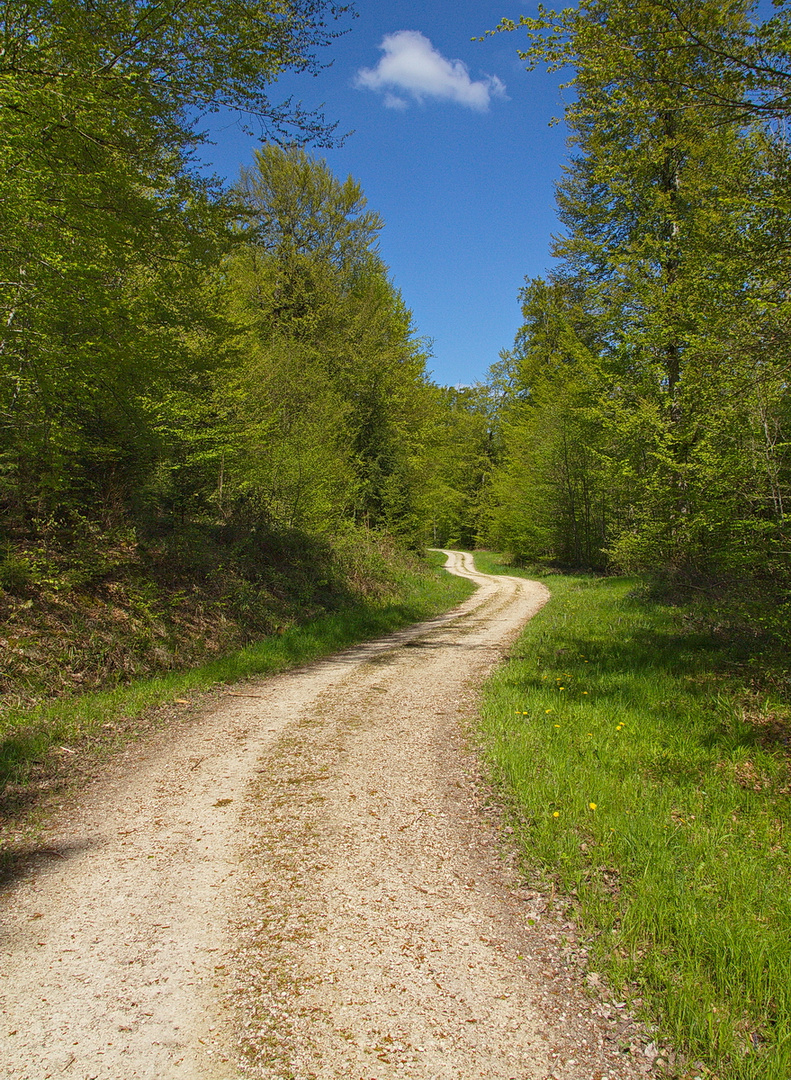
(176, 360)
(648, 411)
(300, 210)
(108, 228)
(330, 392)
(457, 462)
(213, 406)
(650, 782)
(549, 500)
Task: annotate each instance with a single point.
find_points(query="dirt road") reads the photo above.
(304, 883)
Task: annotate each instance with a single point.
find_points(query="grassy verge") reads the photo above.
(41, 746)
(652, 786)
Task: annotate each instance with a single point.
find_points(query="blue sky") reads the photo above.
(459, 159)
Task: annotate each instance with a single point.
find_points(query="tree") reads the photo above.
(549, 499)
(107, 226)
(458, 464)
(674, 241)
(325, 325)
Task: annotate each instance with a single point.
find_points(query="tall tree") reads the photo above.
(107, 226)
(459, 463)
(326, 323)
(666, 247)
(549, 498)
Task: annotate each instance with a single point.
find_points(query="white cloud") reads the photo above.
(413, 68)
(393, 101)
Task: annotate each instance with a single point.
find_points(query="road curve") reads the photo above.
(303, 883)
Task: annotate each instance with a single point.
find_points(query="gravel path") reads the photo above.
(306, 883)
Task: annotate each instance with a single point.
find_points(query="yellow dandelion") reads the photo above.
(556, 725)
(585, 691)
(556, 814)
(591, 805)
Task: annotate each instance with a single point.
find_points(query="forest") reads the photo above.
(643, 411)
(215, 416)
(214, 400)
(222, 453)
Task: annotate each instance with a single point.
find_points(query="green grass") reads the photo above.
(93, 722)
(491, 562)
(648, 783)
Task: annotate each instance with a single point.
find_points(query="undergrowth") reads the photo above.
(650, 782)
(82, 609)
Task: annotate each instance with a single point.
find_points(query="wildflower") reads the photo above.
(556, 814)
(585, 691)
(592, 805)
